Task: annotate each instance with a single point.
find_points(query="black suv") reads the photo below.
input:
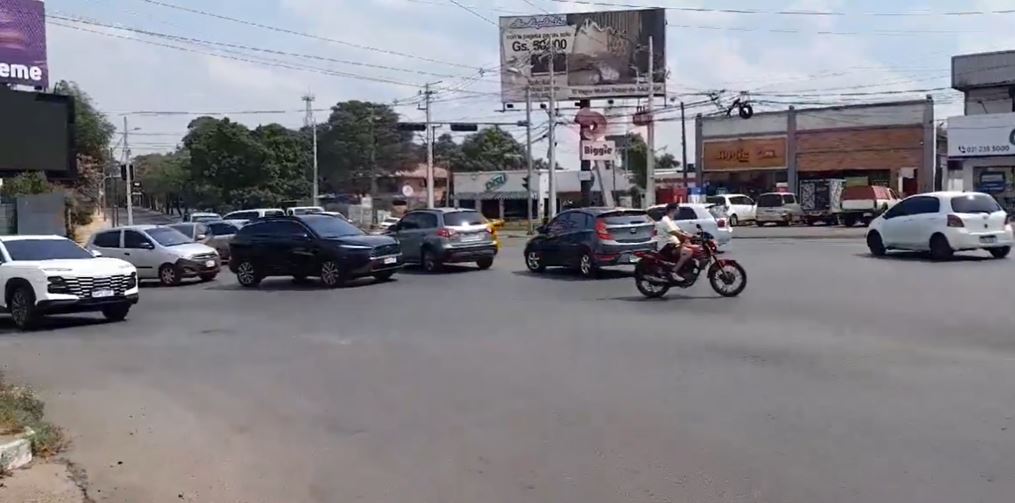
(311, 245)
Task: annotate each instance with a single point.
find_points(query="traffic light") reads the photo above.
(411, 126)
(123, 171)
(464, 127)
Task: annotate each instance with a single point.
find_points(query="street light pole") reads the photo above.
(552, 137)
(312, 122)
(650, 158)
(129, 178)
(528, 152)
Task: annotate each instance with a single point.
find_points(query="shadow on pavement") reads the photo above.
(415, 270)
(50, 324)
(282, 284)
(674, 297)
(925, 257)
(565, 274)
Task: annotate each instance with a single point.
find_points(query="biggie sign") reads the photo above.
(23, 43)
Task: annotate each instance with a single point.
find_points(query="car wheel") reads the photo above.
(21, 304)
(484, 263)
(331, 274)
(875, 244)
(940, 249)
(587, 267)
(247, 275)
(384, 276)
(117, 312)
(734, 221)
(534, 261)
(1000, 252)
(208, 277)
(168, 275)
(431, 263)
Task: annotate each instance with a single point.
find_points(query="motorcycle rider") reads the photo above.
(673, 243)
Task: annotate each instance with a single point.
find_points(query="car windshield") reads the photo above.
(717, 211)
(716, 200)
(770, 201)
(975, 203)
(186, 229)
(167, 236)
(45, 249)
(307, 211)
(205, 218)
(331, 227)
(464, 218)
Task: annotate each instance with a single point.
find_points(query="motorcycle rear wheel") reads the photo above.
(648, 288)
(728, 279)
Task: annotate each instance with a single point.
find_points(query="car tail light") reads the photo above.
(602, 232)
(1010, 219)
(446, 233)
(955, 221)
(721, 223)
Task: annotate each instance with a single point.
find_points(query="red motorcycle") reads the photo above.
(654, 274)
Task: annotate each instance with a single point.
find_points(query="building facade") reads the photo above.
(890, 144)
(502, 194)
(981, 143)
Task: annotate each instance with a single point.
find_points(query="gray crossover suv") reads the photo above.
(441, 236)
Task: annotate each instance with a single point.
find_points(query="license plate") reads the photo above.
(988, 239)
(210, 263)
(469, 238)
(101, 294)
(390, 260)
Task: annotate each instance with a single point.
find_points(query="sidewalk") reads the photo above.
(41, 483)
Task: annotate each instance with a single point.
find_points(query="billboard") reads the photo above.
(594, 54)
(747, 154)
(981, 135)
(23, 43)
(37, 133)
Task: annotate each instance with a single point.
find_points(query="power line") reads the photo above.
(302, 34)
(275, 63)
(246, 47)
(473, 12)
(794, 12)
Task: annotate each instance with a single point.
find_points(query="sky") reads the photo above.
(386, 50)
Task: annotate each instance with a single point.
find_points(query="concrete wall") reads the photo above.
(900, 114)
(42, 214)
(770, 124)
(983, 70)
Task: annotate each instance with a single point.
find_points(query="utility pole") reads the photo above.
(129, 177)
(373, 171)
(429, 149)
(650, 158)
(683, 142)
(528, 152)
(552, 136)
(312, 122)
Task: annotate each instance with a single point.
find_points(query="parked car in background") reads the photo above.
(441, 236)
(712, 219)
(739, 207)
(388, 222)
(864, 204)
(45, 275)
(335, 214)
(780, 208)
(821, 200)
(203, 217)
(214, 234)
(303, 210)
(158, 252)
(311, 245)
(253, 214)
(943, 223)
(589, 239)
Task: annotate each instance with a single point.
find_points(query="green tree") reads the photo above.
(227, 164)
(361, 140)
(92, 130)
(447, 153)
(490, 149)
(163, 177)
(637, 160)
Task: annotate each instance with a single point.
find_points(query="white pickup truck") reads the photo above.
(865, 203)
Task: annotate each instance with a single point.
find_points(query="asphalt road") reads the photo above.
(836, 377)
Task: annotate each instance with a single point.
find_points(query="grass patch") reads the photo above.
(20, 408)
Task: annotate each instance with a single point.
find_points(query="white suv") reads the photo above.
(739, 208)
(53, 275)
(943, 223)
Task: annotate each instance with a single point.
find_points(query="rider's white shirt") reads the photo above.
(664, 227)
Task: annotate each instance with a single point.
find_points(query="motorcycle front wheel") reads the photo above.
(649, 289)
(728, 278)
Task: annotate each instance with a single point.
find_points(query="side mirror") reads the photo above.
(147, 246)
(96, 253)
(201, 237)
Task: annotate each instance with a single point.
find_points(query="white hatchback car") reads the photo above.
(943, 223)
(710, 217)
(739, 208)
(158, 252)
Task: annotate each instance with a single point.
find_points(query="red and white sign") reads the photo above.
(598, 151)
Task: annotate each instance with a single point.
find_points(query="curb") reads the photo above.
(18, 453)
